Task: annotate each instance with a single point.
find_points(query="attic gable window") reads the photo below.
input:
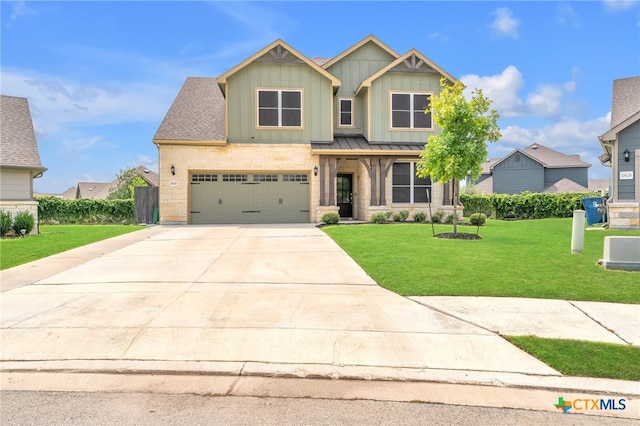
(407, 110)
(279, 108)
(345, 112)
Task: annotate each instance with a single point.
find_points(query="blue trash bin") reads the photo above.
(595, 209)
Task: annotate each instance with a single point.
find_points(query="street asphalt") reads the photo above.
(281, 310)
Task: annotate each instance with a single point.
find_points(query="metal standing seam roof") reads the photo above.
(360, 143)
(197, 113)
(18, 145)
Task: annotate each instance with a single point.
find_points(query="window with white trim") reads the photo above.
(407, 187)
(279, 108)
(345, 112)
(408, 110)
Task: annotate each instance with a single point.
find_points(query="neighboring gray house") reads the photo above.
(19, 157)
(621, 145)
(100, 190)
(535, 168)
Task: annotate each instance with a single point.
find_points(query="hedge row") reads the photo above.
(527, 205)
(84, 210)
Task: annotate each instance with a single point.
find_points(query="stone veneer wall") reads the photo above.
(17, 206)
(624, 215)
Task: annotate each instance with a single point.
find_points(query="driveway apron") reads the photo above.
(279, 295)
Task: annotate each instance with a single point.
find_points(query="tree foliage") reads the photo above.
(126, 180)
(460, 148)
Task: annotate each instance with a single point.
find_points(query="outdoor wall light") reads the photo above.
(315, 170)
(173, 169)
(626, 155)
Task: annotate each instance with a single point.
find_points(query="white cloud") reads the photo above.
(437, 36)
(505, 25)
(20, 9)
(567, 16)
(502, 89)
(619, 5)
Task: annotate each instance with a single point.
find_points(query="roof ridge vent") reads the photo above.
(534, 146)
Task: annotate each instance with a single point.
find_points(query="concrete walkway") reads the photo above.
(275, 301)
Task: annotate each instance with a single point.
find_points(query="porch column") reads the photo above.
(323, 176)
(385, 165)
(332, 181)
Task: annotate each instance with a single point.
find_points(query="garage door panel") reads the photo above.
(249, 198)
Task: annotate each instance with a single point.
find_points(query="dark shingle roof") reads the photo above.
(197, 113)
(626, 99)
(554, 159)
(18, 146)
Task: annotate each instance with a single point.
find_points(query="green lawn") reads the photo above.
(586, 359)
(529, 258)
(55, 239)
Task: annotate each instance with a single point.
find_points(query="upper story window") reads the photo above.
(345, 112)
(408, 110)
(279, 108)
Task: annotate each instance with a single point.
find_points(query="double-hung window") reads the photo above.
(345, 112)
(408, 110)
(279, 108)
(407, 187)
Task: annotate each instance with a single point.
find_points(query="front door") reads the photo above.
(345, 195)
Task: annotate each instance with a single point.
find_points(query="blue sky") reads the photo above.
(100, 76)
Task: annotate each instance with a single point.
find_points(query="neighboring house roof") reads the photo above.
(18, 145)
(565, 185)
(412, 59)
(96, 190)
(286, 50)
(70, 193)
(547, 157)
(625, 110)
(488, 165)
(150, 177)
(485, 187)
(598, 184)
(197, 114)
(368, 39)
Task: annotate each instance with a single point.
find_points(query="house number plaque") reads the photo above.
(626, 175)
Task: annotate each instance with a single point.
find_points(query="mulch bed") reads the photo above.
(459, 236)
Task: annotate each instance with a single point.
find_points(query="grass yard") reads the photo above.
(585, 359)
(529, 258)
(55, 239)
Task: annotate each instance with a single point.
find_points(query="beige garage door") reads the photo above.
(249, 198)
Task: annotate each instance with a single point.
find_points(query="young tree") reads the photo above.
(461, 147)
(126, 180)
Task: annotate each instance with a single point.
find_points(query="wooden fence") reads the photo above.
(146, 202)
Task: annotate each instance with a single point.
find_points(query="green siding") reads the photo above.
(398, 81)
(352, 70)
(241, 95)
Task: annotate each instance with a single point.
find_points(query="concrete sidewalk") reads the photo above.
(274, 301)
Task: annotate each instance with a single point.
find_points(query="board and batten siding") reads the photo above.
(16, 184)
(577, 174)
(629, 139)
(242, 103)
(513, 177)
(352, 70)
(380, 105)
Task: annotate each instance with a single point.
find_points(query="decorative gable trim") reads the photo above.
(412, 61)
(278, 51)
(358, 45)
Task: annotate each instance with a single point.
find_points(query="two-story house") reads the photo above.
(621, 146)
(284, 138)
(19, 158)
(535, 168)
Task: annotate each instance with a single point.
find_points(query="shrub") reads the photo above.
(437, 217)
(330, 218)
(387, 215)
(420, 217)
(450, 217)
(23, 220)
(57, 210)
(5, 222)
(380, 217)
(401, 216)
(478, 219)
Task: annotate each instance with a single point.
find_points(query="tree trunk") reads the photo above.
(455, 208)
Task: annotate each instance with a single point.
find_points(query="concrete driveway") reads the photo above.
(265, 300)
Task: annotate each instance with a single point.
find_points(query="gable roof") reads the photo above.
(625, 106)
(149, 176)
(411, 55)
(96, 190)
(197, 114)
(335, 82)
(18, 146)
(368, 39)
(547, 157)
(565, 185)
